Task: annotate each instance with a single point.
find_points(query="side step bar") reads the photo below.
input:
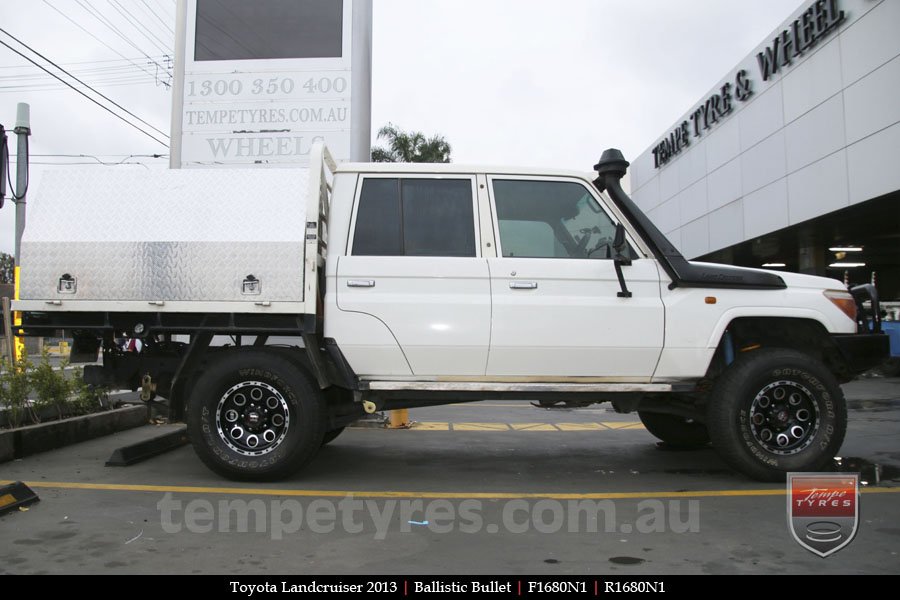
(474, 386)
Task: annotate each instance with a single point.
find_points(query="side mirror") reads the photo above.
(620, 246)
(621, 260)
(619, 240)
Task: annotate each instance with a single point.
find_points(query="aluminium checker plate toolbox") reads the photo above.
(180, 240)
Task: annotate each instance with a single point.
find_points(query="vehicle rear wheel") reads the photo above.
(676, 431)
(330, 435)
(774, 411)
(254, 415)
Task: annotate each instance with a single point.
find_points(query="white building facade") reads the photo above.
(793, 153)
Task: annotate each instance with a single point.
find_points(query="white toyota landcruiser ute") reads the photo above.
(277, 306)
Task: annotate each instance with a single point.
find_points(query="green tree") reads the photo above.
(410, 146)
(7, 268)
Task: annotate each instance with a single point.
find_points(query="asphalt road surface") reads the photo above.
(486, 488)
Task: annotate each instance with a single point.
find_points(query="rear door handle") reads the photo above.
(360, 283)
(523, 285)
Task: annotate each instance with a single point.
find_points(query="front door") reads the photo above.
(554, 288)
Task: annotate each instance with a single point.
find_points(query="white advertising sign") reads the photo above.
(260, 82)
(278, 148)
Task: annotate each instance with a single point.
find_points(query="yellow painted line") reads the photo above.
(533, 427)
(115, 487)
(622, 425)
(580, 426)
(480, 427)
(430, 426)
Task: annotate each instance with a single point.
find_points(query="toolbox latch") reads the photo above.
(67, 284)
(252, 286)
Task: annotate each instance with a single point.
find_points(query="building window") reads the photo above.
(415, 217)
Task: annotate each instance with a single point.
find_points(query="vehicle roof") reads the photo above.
(453, 168)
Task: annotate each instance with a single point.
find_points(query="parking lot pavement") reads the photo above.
(520, 490)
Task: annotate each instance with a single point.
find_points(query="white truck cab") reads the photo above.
(420, 284)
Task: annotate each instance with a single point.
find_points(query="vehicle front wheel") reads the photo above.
(774, 411)
(678, 432)
(254, 415)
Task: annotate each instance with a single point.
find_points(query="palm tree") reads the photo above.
(410, 146)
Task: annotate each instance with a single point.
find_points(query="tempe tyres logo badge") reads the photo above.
(823, 510)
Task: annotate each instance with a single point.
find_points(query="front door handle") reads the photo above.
(360, 283)
(523, 285)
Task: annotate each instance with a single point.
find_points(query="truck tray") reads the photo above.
(174, 240)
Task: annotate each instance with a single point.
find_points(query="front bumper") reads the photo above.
(863, 351)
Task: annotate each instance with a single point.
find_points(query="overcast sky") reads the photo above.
(522, 82)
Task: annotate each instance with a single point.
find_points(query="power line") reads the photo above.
(141, 22)
(100, 78)
(125, 159)
(106, 108)
(37, 81)
(139, 27)
(69, 164)
(143, 12)
(53, 85)
(95, 72)
(158, 18)
(113, 102)
(47, 2)
(83, 62)
(101, 155)
(86, 5)
(99, 73)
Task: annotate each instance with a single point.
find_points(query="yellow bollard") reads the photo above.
(400, 418)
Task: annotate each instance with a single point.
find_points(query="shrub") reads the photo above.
(67, 396)
(86, 399)
(15, 385)
(50, 385)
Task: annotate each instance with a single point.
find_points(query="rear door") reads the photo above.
(414, 263)
(556, 312)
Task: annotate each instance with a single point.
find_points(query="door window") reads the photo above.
(415, 217)
(552, 219)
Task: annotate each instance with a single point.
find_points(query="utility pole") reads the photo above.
(22, 131)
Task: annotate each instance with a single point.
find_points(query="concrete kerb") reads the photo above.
(25, 441)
